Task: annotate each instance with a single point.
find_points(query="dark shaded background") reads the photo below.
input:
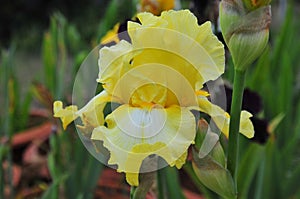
(22, 18)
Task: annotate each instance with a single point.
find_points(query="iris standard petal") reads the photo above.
(144, 86)
(132, 134)
(113, 62)
(175, 39)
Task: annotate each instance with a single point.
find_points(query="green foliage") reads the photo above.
(168, 183)
(71, 168)
(270, 171)
(249, 165)
(265, 171)
(15, 112)
(54, 55)
(115, 13)
(7, 127)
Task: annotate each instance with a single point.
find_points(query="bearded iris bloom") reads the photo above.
(156, 80)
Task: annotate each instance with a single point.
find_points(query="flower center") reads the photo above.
(153, 96)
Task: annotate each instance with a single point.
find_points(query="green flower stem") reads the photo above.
(235, 114)
(132, 191)
(160, 184)
(168, 184)
(173, 183)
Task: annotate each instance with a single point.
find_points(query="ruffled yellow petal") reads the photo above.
(219, 116)
(246, 126)
(132, 134)
(222, 118)
(113, 63)
(92, 113)
(175, 39)
(111, 36)
(143, 86)
(67, 115)
(132, 178)
(181, 160)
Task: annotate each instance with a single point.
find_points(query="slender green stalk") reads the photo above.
(236, 105)
(160, 184)
(168, 184)
(132, 191)
(173, 184)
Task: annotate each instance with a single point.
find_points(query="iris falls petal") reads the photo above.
(132, 134)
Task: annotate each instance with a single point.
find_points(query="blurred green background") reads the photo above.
(42, 46)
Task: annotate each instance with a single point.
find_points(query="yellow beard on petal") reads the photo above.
(153, 95)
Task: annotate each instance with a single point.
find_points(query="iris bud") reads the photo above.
(245, 28)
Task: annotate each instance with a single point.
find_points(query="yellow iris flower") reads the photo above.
(157, 81)
(156, 6)
(111, 35)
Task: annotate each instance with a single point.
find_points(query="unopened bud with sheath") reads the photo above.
(245, 28)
